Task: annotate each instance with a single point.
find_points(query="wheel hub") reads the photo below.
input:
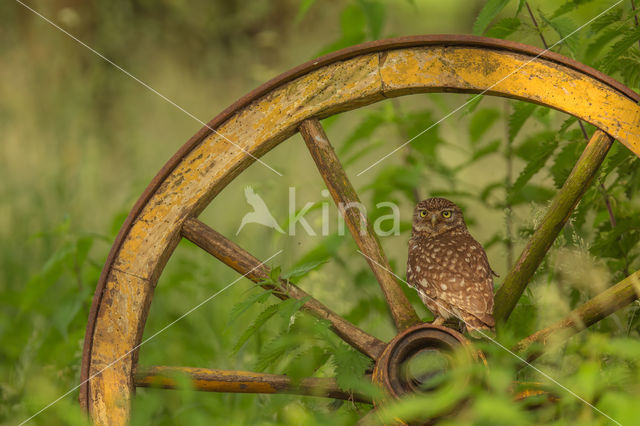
(399, 369)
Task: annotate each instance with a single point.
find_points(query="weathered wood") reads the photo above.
(601, 306)
(347, 202)
(208, 380)
(557, 215)
(261, 120)
(243, 262)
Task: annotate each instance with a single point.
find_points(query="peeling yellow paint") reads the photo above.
(430, 69)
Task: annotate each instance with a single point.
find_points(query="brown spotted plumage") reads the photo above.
(449, 268)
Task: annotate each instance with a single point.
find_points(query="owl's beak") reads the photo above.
(434, 219)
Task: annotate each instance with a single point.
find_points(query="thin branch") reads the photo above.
(635, 16)
(601, 306)
(508, 184)
(535, 23)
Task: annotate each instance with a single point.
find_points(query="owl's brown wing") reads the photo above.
(459, 268)
(468, 297)
(416, 268)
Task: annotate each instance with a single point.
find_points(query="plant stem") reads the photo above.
(635, 16)
(508, 184)
(535, 23)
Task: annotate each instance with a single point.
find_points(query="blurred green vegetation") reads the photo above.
(82, 140)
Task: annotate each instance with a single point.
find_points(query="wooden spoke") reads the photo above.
(557, 215)
(601, 306)
(348, 204)
(207, 380)
(243, 262)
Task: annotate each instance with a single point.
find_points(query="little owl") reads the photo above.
(448, 268)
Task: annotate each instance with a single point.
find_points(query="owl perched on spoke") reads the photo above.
(448, 268)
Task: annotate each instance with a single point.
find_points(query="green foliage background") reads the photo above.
(81, 141)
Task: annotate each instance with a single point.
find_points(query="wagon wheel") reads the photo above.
(168, 209)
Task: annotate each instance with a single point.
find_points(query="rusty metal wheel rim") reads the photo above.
(376, 72)
(388, 370)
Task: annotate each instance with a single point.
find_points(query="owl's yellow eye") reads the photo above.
(423, 213)
(446, 214)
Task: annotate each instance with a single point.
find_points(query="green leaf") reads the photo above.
(65, 313)
(629, 67)
(326, 249)
(490, 148)
(610, 18)
(375, 13)
(482, 152)
(617, 156)
(522, 111)
(488, 190)
(625, 348)
(352, 25)
(566, 124)
(487, 14)
(603, 40)
(49, 275)
(472, 104)
(357, 155)
(569, 6)
(288, 307)
(543, 115)
(363, 130)
(350, 367)
(300, 271)
(423, 132)
(306, 361)
(262, 318)
(392, 179)
(118, 221)
(536, 164)
(276, 348)
(241, 307)
(585, 205)
(274, 274)
(630, 37)
(531, 194)
(565, 28)
(83, 245)
(498, 409)
(564, 162)
(617, 242)
(322, 329)
(481, 122)
(304, 7)
(504, 28)
(530, 147)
